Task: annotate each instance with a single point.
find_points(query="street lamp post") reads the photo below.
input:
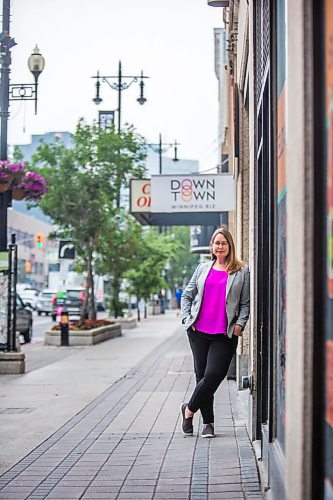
(13, 92)
(163, 147)
(6, 44)
(122, 82)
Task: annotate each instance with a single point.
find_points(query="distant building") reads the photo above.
(28, 150)
(34, 263)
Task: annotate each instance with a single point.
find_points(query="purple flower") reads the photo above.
(34, 185)
(4, 177)
(17, 167)
(11, 172)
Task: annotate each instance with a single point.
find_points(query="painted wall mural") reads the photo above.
(282, 224)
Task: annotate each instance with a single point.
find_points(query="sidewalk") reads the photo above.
(112, 429)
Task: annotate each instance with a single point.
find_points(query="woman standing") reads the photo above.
(213, 323)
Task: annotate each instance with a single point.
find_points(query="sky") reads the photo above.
(171, 41)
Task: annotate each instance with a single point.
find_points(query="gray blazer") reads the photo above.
(237, 297)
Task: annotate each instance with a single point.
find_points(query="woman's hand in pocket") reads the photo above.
(237, 331)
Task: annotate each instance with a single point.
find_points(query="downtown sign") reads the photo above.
(182, 200)
(192, 193)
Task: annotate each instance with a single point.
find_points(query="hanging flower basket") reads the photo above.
(18, 194)
(6, 176)
(33, 185)
(18, 170)
(24, 185)
(4, 186)
(11, 174)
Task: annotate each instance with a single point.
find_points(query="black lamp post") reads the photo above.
(122, 82)
(36, 63)
(162, 147)
(13, 92)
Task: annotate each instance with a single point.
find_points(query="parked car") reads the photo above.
(25, 286)
(24, 321)
(72, 300)
(44, 301)
(29, 297)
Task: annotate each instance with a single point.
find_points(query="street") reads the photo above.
(40, 325)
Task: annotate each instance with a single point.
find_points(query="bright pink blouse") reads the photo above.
(212, 317)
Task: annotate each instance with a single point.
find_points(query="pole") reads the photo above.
(119, 96)
(36, 94)
(160, 155)
(4, 104)
(119, 128)
(160, 168)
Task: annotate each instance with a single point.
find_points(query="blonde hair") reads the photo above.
(232, 263)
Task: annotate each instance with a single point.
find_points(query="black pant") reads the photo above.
(212, 355)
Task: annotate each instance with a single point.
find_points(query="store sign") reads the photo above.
(192, 193)
(140, 195)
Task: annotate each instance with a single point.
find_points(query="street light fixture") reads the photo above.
(36, 64)
(141, 100)
(162, 147)
(120, 84)
(28, 91)
(97, 100)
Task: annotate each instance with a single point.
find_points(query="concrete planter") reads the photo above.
(153, 308)
(126, 323)
(12, 363)
(84, 337)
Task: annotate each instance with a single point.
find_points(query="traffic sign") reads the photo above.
(66, 250)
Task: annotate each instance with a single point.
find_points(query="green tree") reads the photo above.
(152, 253)
(117, 252)
(84, 184)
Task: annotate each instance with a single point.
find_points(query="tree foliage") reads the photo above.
(84, 184)
(152, 252)
(117, 253)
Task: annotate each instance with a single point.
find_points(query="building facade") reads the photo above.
(37, 254)
(279, 144)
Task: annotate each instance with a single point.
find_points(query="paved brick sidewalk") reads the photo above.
(127, 443)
